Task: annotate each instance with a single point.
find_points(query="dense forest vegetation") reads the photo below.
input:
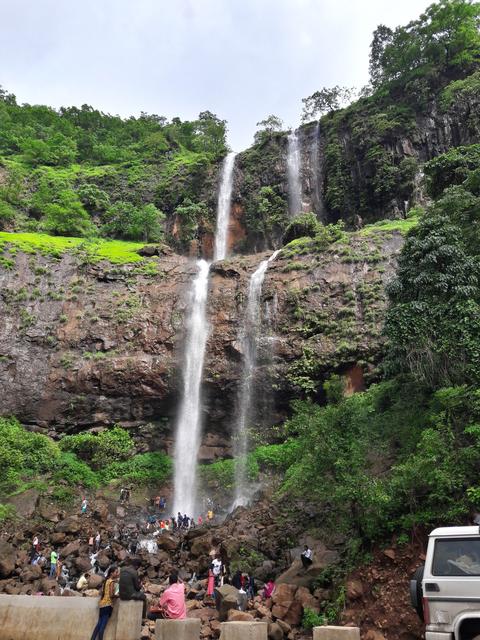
(80, 172)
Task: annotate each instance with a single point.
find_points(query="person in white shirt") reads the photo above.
(306, 557)
(217, 569)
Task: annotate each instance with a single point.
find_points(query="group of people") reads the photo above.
(176, 524)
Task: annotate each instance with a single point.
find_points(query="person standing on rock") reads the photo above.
(130, 586)
(83, 509)
(106, 603)
(217, 569)
(249, 585)
(306, 557)
(98, 540)
(53, 563)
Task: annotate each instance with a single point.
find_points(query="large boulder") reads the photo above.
(275, 631)
(226, 598)
(354, 589)
(71, 524)
(7, 559)
(234, 615)
(72, 548)
(25, 503)
(201, 546)
(167, 542)
(83, 564)
(95, 581)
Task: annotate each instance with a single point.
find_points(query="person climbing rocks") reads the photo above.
(106, 603)
(217, 569)
(53, 563)
(269, 589)
(83, 509)
(130, 587)
(171, 604)
(250, 586)
(35, 549)
(163, 503)
(237, 579)
(306, 557)
(210, 584)
(242, 599)
(98, 540)
(82, 582)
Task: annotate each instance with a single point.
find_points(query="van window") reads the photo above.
(456, 557)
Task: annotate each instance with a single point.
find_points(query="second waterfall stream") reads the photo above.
(189, 425)
(249, 337)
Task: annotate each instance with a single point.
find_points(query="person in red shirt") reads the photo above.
(172, 602)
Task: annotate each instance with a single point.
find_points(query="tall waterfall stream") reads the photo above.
(189, 424)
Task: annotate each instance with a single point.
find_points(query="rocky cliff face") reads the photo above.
(83, 346)
(359, 165)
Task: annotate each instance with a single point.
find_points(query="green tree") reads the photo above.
(445, 39)
(125, 220)
(325, 100)
(67, 217)
(93, 198)
(57, 150)
(382, 36)
(267, 127)
(210, 134)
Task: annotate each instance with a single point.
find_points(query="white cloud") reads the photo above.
(242, 59)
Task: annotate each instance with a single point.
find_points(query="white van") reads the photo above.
(446, 591)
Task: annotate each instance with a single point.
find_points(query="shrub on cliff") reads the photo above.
(23, 454)
(111, 445)
(303, 225)
(154, 466)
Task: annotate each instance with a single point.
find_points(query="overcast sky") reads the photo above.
(241, 59)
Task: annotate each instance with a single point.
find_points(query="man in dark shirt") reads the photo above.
(130, 587)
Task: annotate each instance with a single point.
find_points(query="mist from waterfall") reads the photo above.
(223, 206)
(294, 163)
(249, 337)
(189, 425)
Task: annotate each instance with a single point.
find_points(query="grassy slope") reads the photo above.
(115, 251)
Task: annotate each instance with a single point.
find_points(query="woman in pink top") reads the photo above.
(172, 602)
(269, 589)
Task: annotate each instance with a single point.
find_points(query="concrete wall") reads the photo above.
(244, 630)
(336, 633)
(188, 629)
(59, 618)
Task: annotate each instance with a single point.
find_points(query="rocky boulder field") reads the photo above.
(261, 538)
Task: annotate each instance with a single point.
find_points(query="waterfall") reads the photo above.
(223, 206)
(249, 336)
(189, 425)
(293, 174)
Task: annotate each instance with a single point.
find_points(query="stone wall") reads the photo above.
(59, 618)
